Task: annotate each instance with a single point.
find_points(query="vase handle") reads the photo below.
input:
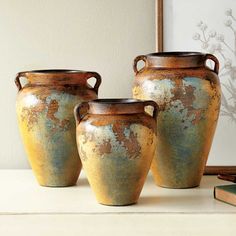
(80, 111)
(216, 61)
(17, 80)
(155, 107)
(98, 80)
(136, 60)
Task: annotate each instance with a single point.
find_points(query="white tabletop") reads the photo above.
(24, 204)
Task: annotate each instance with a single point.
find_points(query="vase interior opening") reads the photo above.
(52, 71)
(175, 54)
(116, 101)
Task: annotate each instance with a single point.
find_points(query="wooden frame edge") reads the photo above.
(209, 170)
(215, 170)
(159, 26)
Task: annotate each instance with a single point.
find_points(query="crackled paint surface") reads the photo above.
(116, 153)
(47, 126)
(185, 127)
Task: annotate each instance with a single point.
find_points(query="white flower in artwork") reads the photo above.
(203, 27)
(212, 33)
(199, 24)
(228, 64)
(225, 48)
(196, 36)
(220, 37)
(205, 45)
(228, 22)
(228, 12)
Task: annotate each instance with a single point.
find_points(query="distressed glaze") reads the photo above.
(189, 100)
(116, 151)
(45, 116)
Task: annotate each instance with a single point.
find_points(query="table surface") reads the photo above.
(26, 206)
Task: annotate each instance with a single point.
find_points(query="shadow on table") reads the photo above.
(82, 182)
(168, 200)
(208, 182)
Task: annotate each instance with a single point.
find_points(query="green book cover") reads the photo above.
(226, 193)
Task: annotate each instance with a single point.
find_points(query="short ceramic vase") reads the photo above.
(116, 140)
(188, 94)
(46, 121)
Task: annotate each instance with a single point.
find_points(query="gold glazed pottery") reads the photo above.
(116, 140)
(188, 94)
(46, 121)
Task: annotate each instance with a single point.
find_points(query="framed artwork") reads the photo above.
(194, 25)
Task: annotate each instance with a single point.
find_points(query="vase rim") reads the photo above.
(175, 59)
(175, 54)
(116, 106)
(52, 71)
(111, 101)
(58, 77)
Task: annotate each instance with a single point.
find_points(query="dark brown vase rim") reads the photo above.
(175, 54)
(107, 101)
(60, 77)
(117, 106)
(52, 71)
(178, 59)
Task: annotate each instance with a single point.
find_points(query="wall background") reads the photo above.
(103, 36)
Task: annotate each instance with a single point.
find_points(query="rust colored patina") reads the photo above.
(188, 94)
(116, 140)
(45, 117)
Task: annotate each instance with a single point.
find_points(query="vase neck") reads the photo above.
(175, 60)
(116, 106)
(57, 77)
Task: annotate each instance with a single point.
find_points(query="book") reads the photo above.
(226, 193)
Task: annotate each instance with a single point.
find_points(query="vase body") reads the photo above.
(116, 141)
(188, 94)
(46, 122)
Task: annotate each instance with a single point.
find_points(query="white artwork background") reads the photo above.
(209, 26)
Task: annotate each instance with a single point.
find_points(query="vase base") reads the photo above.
(117, 204)
(177, 187)
(57, 186)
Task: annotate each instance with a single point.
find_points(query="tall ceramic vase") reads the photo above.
(45, 117)
(116, 140)
(188, 94)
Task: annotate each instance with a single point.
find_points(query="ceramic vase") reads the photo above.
(188, 94)
(116, 140)
(45, 117)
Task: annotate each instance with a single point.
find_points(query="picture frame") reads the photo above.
(209, 169)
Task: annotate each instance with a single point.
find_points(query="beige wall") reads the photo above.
(102, 35)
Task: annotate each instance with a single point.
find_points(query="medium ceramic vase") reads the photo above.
(116, 140)
(45, 117)
(188, 94)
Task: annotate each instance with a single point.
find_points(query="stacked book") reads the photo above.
(226, 193)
